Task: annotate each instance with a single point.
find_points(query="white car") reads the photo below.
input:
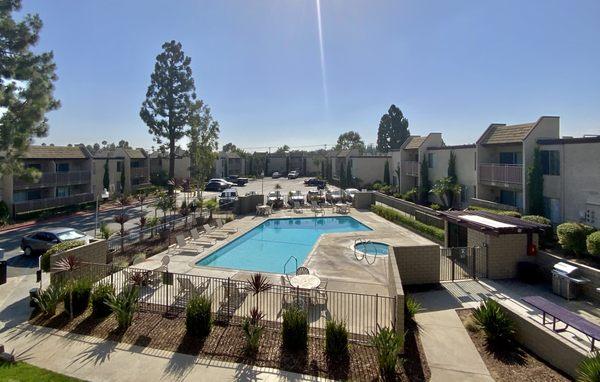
(349, 192)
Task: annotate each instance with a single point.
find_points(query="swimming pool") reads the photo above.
(268, 246)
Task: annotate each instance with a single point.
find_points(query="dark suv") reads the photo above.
(314, 182)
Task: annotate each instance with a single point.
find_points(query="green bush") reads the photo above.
(388, 344)
(60, 247)
(295, 329)
(572, 236)
(81, 290)
(589, 369)
(499, 329)
(47, 300)
(411, 307)
(198, 320)
(125, 304)
(411, 195)
(548, 236)
(398, 218)
(104, 231)
(514, 214)
(4, 213)
(336, 340)
(253, 330)
(593, 243)
(100, 298)
(435, 206)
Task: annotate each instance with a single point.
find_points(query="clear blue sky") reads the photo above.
(451, 66)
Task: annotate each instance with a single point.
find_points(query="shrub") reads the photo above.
(499, 329)
(548, 236)
(435, 207)
(514, 214)
(47, 300)
(411, 307)
(125, 304)
(80, 290)
(396, 217)
(411, 195)
(60, 247)
(4, 213)
(104, 231)
(336, 340)
(198, 320)
(589, 369)
(593, 243)
(295, 329)
(571, 236)
(388, 344)
(100, 298)
(253, 330)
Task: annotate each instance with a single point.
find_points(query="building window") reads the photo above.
(430, 160)
(550, 162)
(62, 167)
(119, 166)
(61, 192)
(552, 209)
(136, 164)
(511, 158)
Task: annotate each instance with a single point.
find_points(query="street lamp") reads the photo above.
(104, 194)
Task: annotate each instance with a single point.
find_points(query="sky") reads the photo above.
(272, 75)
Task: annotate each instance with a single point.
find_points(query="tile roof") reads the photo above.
(499, 134)
(415, 142)
(55, 152)
(135, 153)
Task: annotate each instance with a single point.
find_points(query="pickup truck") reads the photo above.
(237, 180)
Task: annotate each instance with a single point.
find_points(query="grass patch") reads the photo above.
(398, 218)
(24, 372)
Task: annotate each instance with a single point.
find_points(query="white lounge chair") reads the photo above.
(316, 208)
(297, 207)
(187, 247)
(198, 239)
(187, 287)
(221, 227)
(210, 232)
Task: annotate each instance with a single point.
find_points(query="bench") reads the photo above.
(560, 314)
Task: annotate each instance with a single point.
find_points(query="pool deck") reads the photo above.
(332, 258)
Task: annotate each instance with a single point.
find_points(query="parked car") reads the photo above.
(216, 185)
(293, 174)
(349, 193)
(295, 196)
(276, 175)
(275, 199)
(316, 195)
(335, 196)
(228, 198)
(41, 241)
(314, 182)
(237, 180)
(231, 184)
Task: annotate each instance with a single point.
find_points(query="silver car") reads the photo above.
(41, 241)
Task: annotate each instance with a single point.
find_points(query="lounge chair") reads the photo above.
(316, 208)
(222, 228)
(198, 239)
(210, 232)
(233, 300)
(188, 288)
(184, 246)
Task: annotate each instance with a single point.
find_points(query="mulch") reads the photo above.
(227, 342)
(519, 365)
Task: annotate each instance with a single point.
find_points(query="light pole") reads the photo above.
(105, 196)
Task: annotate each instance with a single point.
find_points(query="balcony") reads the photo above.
(410, 167)
(52, 179)
(139, 172)
(501, 173)
(42, 204)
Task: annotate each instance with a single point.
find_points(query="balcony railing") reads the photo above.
(501, 173)
(139, 172)
(42, 204)
(51, 179)
(410, 167)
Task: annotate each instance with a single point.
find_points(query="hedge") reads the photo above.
(572, 236)
(593, 243)
(396, 217)
(514, 214)
(548, 236)
(60, 247)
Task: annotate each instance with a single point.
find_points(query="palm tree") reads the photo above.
(68, 264)
(165, 203)
(143, 221)
(122, 219)
(211, 205)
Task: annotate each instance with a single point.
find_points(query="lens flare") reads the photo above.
(322, 54)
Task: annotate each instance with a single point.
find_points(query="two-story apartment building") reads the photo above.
(134, 163)
(229, 163)
(159, 162)
(66, 179)
(408, 158)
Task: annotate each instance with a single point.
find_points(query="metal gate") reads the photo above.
(462, 263)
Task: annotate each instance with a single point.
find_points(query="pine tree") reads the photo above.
(393, 130)
(170, 99)
(342, 176)
(452, 167)
(26, 86)
(349, 180)
(106, 178)
(535, 185)
(386, 172)
(424, 182)
(203, 134)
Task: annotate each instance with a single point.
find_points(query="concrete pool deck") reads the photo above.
(332, 258)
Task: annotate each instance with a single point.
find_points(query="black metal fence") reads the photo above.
(168, 293)
(462, 263)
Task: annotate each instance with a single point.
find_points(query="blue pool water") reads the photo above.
(268, 246)
(372, 248)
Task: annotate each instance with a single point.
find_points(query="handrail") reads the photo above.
(359, 240)
(286, 263)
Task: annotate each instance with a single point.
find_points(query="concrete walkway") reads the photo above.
(93, 359)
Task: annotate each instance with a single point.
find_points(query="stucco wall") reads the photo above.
(418, 264)
(395, 290)
(465, 168)
(369, 169)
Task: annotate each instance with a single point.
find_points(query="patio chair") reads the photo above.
(210, 232)
(198, 239)
(316, 208)
(320, 296)
(186, 287)
(302, 271)
(184, 246)
(221, 227)
(234, 298)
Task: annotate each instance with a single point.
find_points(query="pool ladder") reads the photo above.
(285, 266)
(359, 240)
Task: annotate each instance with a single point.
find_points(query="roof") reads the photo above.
(455, 147)
(116, 153)
(564, 141)
(502, 134)
(135, 153)
(489, 222)
(55, 152)
(414, 142)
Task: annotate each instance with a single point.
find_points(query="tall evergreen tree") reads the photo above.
(452, 167)
(203, 134)
(386, 172)
(169, 99)
(424, 182)
(535, 185)
(393, 130)
(106, 178)
(26, 86)
(342, 176)
(350, 140)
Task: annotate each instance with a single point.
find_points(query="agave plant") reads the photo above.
(48, 300)
(253, 330)
(125, 305)
(499, 329)
(68, 264)
(388, 344)
(589, 369)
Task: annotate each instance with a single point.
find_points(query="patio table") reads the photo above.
(305, 281)
(263, 209)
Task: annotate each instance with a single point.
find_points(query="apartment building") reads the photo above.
(134, 163)
(407, 160)
(571, 168)
(229, 163)
(465, 166)
(66, 179)
(159, 163)
(368, 169)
